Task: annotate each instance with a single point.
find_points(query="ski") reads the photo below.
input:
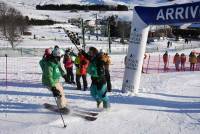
(86, 117)
(54, 108)
(86, 112)
(89, 116)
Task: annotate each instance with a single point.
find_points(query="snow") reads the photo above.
(167, 103)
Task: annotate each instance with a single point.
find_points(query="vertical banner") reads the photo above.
(142, 18)
(136, 50)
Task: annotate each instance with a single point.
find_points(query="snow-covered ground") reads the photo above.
(167, 103)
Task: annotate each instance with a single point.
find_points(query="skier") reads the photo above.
(192, 60)
(165, 60)
(168, 44)
(183, 60)
(186, 41)
(68, 63)
(81, 64)
(177, 61)
(96, 69)
(51, 75)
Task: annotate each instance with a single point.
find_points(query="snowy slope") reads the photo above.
(143, 2)
(167, 103)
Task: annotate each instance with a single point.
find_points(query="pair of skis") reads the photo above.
(87, 115)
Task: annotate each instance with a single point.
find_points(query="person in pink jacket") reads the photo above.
(68, 63)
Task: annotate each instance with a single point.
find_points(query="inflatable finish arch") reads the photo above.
(142, 18)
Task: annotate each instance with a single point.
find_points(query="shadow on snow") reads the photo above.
(16, 107)
(157, 104)
(175, 106)
(23, 84)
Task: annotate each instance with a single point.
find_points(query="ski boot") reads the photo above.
(98, 103)
(73, 82)
(106, 105)
(64, 110)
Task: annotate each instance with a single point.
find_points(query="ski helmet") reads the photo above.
(102, 51)
(57, 52)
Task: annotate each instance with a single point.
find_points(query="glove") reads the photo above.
(56, 92)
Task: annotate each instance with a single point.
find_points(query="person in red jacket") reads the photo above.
(81, 64)
(68, 63)
(165, 60)
(183, 60)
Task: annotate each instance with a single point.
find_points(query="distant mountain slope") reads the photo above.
(28, 8)
(127, 2)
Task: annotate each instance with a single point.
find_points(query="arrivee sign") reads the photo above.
(143, 17)
(170, 14)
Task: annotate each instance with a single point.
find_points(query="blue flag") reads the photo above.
(177, 13)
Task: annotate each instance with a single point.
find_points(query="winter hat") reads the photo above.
(47, 51)
(102, 51)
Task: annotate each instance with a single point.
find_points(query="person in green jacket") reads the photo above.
(96, 70)
(51, 73)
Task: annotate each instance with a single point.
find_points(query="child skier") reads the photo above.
(96, 69)
(81, 64)
(51, 75)
(68, 63)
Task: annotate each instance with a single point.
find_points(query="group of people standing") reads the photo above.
(95, 63)
(180, 60)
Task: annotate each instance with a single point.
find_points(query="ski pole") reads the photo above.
(76, 47)
(60, 114)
